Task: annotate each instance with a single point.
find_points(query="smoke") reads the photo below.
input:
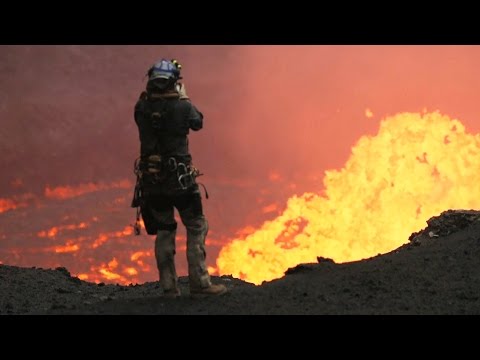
(67, 111)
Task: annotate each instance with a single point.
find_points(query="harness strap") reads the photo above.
(167, 95)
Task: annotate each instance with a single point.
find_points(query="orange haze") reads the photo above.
(293, 157)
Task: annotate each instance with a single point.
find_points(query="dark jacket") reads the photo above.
(164, 125)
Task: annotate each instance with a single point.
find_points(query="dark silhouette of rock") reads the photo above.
(63, 270)
(448, 222)
(322, 260)
(299, 269)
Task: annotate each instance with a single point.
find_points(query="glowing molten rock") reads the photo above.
(415, 167)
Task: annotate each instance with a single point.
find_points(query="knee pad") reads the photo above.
(197, 225)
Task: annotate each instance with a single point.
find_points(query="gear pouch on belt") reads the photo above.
(154, 164)
(149, 221)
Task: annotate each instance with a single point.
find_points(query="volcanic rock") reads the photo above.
(442, 276)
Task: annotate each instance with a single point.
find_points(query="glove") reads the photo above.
(182, 92)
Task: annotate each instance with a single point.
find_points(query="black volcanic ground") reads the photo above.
(437, 272)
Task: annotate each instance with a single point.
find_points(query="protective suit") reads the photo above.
(167, 178)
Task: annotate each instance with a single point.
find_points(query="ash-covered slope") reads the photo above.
(438, 272)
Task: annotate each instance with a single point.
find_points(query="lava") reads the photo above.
(391, 184)
(16, 202)
(67, 192)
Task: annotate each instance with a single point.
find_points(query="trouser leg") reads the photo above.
(165, 249)
(196, 224)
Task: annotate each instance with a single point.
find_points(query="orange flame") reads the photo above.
(16, 202)
(7, 204)
(137, 258)
(131, 271)
(110, 275)
(103, 237)
(212, 270)
(270, 208)
(67, 248)
(67, 192)
(108, 271)
(415, 167)
(112, 270)
(137, 255)
(53, 231)
(71, 245)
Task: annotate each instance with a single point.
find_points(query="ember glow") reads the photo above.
(8, 204)
(104, 237)
(53, 231)
(415, 167)
(16, 202)
(66, 192)
(67, 248)
(115, 271)
(109, 271)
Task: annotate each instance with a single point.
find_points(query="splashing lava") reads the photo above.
(415, 167)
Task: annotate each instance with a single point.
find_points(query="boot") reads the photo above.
(213, 289)
(172, 293)
(198, 276)
(199, 279)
